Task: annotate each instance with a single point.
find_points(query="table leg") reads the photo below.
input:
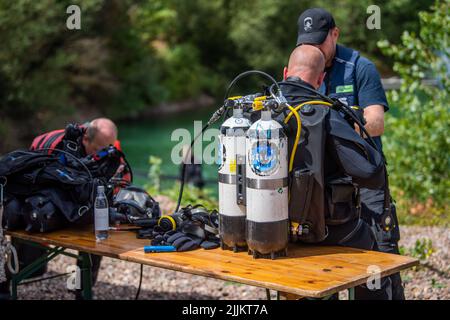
(351, 294)
(269, 297)
(31, 268)
(86, 275)
(13, 289)
(288, 296)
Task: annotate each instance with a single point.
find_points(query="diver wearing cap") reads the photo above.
(354, 80)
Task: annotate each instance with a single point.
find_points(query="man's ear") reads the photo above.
(85, 140)
(336, 32)
(320, 80)
(285, 71)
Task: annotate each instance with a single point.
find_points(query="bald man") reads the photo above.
(307, 63)
(86, 139)
(80, 141)
(99, 133)
(331, 162)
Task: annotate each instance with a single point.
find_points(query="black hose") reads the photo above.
(129, 167)
(73, 157)
(80, 162)
(245, 74)
(183, 168)
(140, 283)
(236, 79)
(295, 84)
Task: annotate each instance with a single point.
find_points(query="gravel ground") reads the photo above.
(119, 279)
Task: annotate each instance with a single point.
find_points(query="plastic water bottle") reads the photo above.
(101, 215)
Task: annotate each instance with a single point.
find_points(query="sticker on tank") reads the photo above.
(221, 155)
(264, 158)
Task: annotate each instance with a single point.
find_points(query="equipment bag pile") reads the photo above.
(45, 192)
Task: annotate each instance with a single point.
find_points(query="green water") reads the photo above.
(140, 139)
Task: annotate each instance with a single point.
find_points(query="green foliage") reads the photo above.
(418, 144)
(132, 54)
(422, 250)
(183, 82)
(48, 72)
(191, 194)
(34, 83)
(437, 285)
(264, 32)
(154, 172)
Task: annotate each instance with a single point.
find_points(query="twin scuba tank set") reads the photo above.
(253, 179)
(253, 174)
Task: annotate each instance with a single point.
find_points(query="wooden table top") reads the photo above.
(308, 271)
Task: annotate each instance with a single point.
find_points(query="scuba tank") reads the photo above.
(267, 188)
(232, 181)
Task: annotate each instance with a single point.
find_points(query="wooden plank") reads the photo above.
(289, 296)
(308, 271)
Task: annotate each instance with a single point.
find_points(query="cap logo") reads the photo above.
(307, 23)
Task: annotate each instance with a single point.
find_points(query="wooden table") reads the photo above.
(308, 271)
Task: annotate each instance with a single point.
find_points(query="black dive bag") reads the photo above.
(317, 198)
(45, 192)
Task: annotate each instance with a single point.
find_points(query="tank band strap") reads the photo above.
(268, 184)
(227, 178)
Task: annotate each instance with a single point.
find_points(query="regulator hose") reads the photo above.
(216, 116)
(297, 135)
(183, 165)
(247, 73)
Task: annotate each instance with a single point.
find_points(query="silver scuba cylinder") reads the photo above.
(267, 188)
(232, 208)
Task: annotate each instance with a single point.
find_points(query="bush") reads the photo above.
(417, 145)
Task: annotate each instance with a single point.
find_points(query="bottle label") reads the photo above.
(101, 219)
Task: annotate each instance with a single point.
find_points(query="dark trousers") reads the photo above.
(387, 241)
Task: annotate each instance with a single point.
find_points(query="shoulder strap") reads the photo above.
(48, 140)
(347, 55)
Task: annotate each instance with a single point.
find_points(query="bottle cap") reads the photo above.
(100, 189)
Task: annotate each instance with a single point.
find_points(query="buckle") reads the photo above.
(387, 221)
(82, 210)
(72, 146)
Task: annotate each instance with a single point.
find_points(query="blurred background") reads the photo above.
(154, 66)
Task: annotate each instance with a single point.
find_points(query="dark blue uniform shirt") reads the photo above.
(369, 90)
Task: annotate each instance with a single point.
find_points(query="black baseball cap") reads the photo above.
(314, 25)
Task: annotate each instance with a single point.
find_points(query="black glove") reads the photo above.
(185, 242)
(180, 240)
